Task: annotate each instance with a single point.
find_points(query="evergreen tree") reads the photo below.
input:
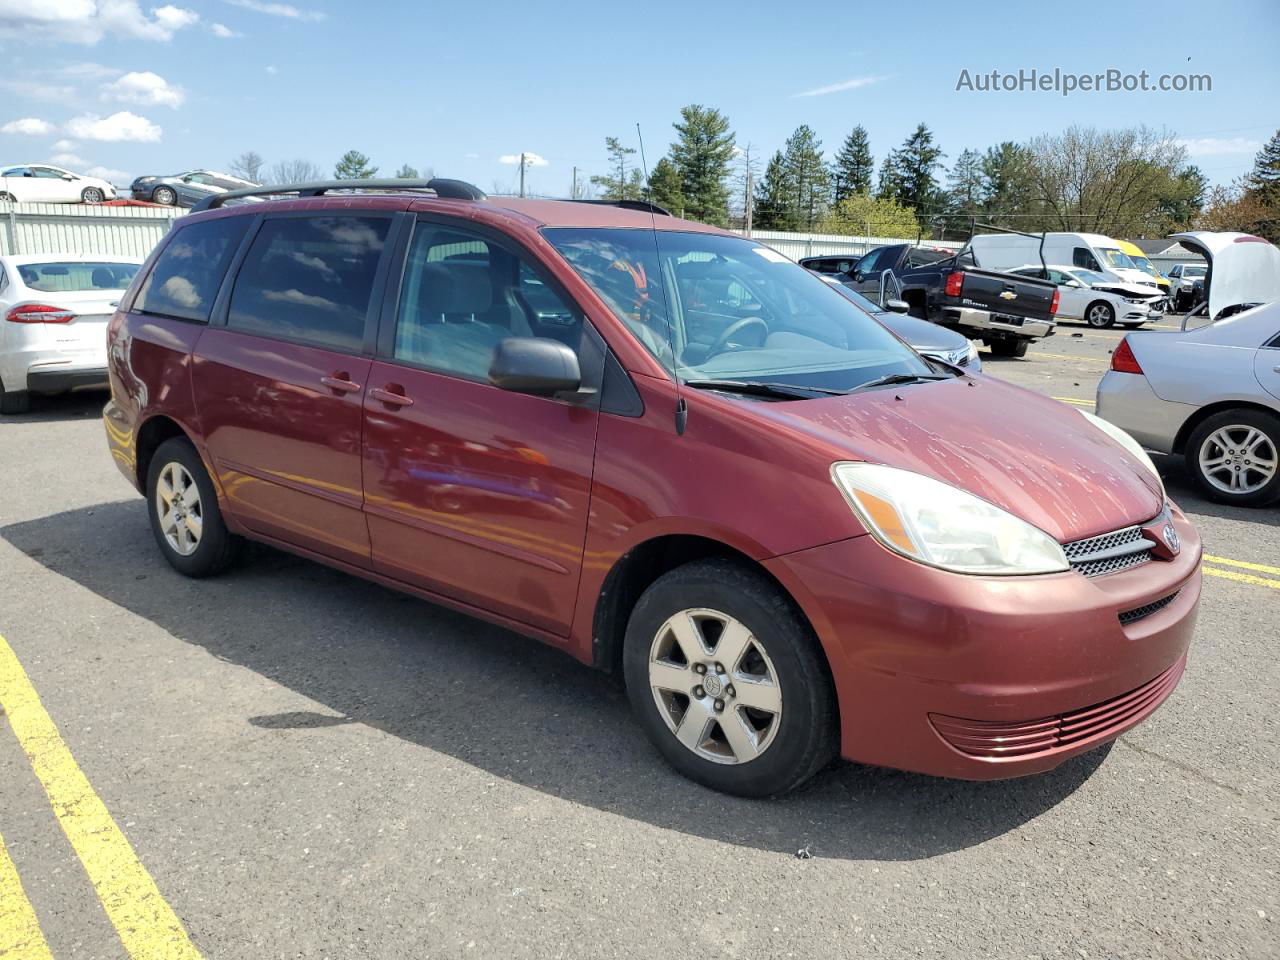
(406, 172)
(1263, 182)
(889, 186)
(354, 165)
(854, 166)
(966, 187)
(807, 177)
(1006, 187)
(912, 182)
(665, 188)
(624, 181)
(701, 155)
(771, 210)
(1186, 197)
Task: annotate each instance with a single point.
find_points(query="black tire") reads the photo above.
(166, 195)
(15, 401)
(217, 547)
(806, 737)
(1266, 423)
(1010, 348)
(1100, 315)
(5, 195)
(92, 195)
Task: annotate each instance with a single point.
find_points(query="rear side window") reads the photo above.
(188, 272)
(310, 279)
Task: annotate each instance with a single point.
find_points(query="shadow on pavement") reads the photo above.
(507, 705)
(79, 405)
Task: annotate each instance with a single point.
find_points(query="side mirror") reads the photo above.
(859, 277)
(536, 365)
(897, 306)
(67, 176)
(1074, 283)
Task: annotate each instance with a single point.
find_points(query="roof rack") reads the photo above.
(644, 206)
(446, 189)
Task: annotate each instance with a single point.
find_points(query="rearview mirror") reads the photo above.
(536, 365)
(897, 306)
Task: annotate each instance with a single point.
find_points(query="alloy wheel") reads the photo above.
(92, 195)
(715, 686)
(1099, 315)
(1238, 459)
(179, 509)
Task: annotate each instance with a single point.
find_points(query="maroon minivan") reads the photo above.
(667, 450)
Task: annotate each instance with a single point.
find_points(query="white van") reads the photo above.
(1089, 251)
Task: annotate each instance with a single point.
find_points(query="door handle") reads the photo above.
(391, 395)
(340, 383)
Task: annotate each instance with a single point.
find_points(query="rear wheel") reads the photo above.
(728, 681)
(1234, 457)
(1100, 314)
(183, 507)
(14, 401)
(1010, 348)
(92, 195)
(165, 195)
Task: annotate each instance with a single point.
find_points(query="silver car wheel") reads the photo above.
(1099, 315)
(715, 686)
(179, 509)
(1238, 459)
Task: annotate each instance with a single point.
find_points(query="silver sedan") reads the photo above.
(1211, 394)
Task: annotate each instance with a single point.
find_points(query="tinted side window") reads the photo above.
(1081, 257)
(188, 272)
(464, 294)
(867, 264)
(310, 278)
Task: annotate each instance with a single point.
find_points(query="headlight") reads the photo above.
(1126, 441)
(935, 523)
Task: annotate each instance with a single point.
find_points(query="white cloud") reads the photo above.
(67, 160)
(65, 146)
(1219, 146)
(287, 10)
(110, 175)
(119, 126)
(28, 127)
(144, 87)
(852, 84)
(272, 70)
(223, 31)
(530, 159)
(37, 90)
(88, 21)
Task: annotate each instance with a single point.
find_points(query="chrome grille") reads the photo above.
(1137, 613)
(1109, 552)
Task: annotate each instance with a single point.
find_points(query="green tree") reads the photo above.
(771, 200)
(1263, 182)
(665, 188)
(407, 172)
(911, 180)
(854, 166)
(701, 155)
(1007, 189)
(1186, 197)
(807, 178)
(623, 181)
(354, 165)
(865, 215)
(966, 185)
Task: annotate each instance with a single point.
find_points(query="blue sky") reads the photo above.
(134, 88)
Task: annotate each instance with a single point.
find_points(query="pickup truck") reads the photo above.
(1004, 311)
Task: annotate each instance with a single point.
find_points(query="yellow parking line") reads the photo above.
(1243, 564)
(1063, 356)
(1242, 577)
(147, 925)
(1079, 403)
(20, 936)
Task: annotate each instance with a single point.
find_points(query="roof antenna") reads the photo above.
(682, 408)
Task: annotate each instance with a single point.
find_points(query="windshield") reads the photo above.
(1194, 271)
(1088, 277)
(76, 277)
(1145, 265)
(1117, 258)
(713, 307)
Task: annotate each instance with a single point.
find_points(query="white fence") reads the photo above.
(798, 245)
(82, 228)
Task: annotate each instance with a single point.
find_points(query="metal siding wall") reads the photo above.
(77, 228)
(798, 245)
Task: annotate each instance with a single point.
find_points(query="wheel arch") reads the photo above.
(1209, 410)
(154, 431)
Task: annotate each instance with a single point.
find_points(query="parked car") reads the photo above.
(791, 534)
(1092, 251)
(53, 335)
(831, 266)
(924, 337)
(1143, 263)
(1184, 277)
(1211, 393)
(1092, 298)
(42, 183)
(1004, 311)
(186, 189)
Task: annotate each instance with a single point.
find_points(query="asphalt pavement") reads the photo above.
(288, 762)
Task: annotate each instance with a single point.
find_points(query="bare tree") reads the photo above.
(294, 171)
(248, 166)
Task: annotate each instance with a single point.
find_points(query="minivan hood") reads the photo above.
(1034, 457)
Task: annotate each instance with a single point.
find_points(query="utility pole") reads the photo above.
(573, 194)
(522, 173)
(748, 198)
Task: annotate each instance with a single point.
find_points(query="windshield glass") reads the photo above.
(1145, 265)
(76, 277)
(1194, 271)
(717, 307)
(1117, 258)
(1088, 276)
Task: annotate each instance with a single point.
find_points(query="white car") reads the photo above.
(1098, 300)
(54, 310)
(41, 183)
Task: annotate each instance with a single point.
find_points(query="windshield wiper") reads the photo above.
(892, 378)
(760, 388)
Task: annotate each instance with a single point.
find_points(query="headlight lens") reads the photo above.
(1126, 441)
(935, 523)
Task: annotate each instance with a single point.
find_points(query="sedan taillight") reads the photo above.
(39, 313)
(1123, 360)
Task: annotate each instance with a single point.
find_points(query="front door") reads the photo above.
(474, 492)
(280, 385)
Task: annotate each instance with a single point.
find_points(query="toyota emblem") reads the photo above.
(1171, 538)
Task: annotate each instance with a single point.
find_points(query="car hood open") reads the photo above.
(1242, 268)
(1035, 457)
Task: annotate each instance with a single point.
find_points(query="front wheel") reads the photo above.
(185, 518)
(728, 681)
(165, 195)
(1234, 457)
(92, 195)
(1100, 314)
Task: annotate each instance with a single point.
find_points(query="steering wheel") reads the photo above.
(722, 341)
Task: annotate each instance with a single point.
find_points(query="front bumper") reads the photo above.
(985, 320)
(923, 659)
